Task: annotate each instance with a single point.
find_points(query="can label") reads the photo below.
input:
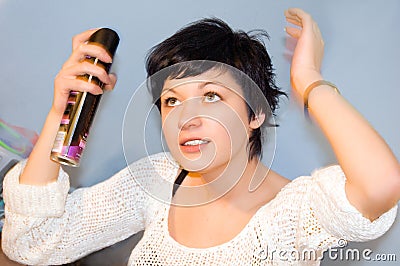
(59, 141)
(74, 128)
(76, 121)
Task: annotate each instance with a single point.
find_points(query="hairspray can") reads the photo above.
(81, 107)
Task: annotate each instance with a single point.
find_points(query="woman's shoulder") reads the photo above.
(162, 163)
(292, 191)
(327, 174)
(155, 174)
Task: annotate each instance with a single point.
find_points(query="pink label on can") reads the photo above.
(64, 121)
(73, 152)
(82, 144)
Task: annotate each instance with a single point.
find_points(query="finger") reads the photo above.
(294, 32)
(292, 18)
(84, 50)
(68, 83)
(82, 38)
(297, 12)
(89, 69)
(294, 21)
(91, 50)
(299, 15)
(95, 50)
(111, 85)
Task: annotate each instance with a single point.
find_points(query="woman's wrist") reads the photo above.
(56, 112)
(303, 81)
(314, 85)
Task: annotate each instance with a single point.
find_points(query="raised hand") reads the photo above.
(75, 66)
(309, 51)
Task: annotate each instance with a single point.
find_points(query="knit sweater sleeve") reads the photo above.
(46, 225)
(331, 220)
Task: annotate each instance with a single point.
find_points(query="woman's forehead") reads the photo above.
(211, 77)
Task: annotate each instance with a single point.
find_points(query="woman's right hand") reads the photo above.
(40, 169)
(66, 80)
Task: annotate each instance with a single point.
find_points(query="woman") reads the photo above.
(212, 121)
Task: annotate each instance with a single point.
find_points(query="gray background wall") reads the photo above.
(362, 56)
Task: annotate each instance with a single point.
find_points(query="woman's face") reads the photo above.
(205, 121)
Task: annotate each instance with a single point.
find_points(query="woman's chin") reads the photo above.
(195, 162)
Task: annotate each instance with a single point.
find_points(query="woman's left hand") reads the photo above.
(309, 51)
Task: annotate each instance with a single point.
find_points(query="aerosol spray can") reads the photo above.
(81, 107)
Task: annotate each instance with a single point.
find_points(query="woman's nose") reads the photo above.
(189, 115)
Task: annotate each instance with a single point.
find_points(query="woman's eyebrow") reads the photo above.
(165, 90)
(202, 84)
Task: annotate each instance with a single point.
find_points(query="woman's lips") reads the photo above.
(193, 145)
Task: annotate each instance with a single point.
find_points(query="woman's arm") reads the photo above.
(40, 170)
(45, 226)
(371, 169)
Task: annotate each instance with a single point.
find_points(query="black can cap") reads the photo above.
(107, 38)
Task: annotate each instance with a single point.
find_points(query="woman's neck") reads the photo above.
(232, 181)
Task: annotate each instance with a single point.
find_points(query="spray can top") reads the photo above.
(107, 38)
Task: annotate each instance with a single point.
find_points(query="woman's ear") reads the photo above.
(257, 121)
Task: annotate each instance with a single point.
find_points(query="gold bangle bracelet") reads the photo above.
(314, 85)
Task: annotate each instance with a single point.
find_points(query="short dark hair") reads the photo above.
(212, 39)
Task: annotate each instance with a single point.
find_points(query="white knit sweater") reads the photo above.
(46, 225)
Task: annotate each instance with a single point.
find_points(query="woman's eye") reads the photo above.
(171, 101)
(211, 97)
